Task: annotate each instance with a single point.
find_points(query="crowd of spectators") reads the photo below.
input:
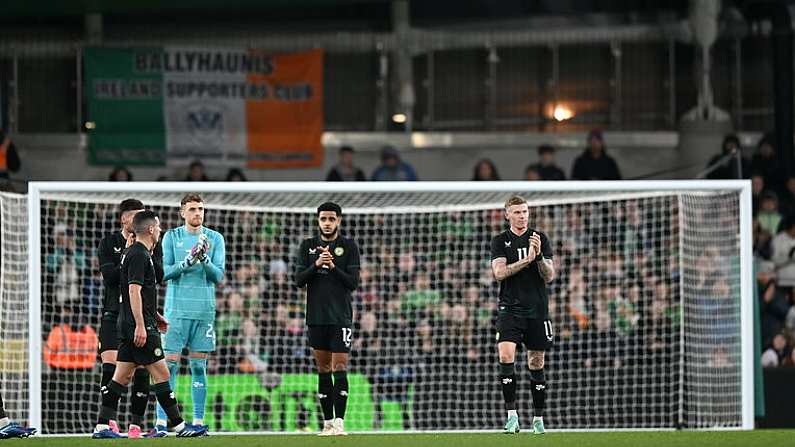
(593, 164)
(774, 252)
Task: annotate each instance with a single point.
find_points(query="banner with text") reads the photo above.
(149, 105)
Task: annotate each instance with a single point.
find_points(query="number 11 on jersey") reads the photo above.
(523, 252)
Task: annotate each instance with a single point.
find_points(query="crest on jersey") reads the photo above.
(339, 251)
(158, 352)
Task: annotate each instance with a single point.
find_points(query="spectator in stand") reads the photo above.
(63, 267)
(789, 362)
(789, 320)
(768, 216)
(787, 198)
(546, 166)
(594, 163)
(72, 344)
(765, 163)
(783, 248)
(728, 168)
(776, 353)
(196, 172)
(757, 187)
(762, 241)
(485, 171)
(9, 158)
(345, 170)
(236, 175)
(773, 305)
(120, 174)
(531, 174)
(393, 168)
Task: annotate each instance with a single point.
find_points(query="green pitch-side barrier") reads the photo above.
(240, 402)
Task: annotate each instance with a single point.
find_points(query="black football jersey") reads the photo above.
(137, 267)
(523, 294)
(328, 292)
(111, 250)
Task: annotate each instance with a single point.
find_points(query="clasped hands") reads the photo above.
(325, 260)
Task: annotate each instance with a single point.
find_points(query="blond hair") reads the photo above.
(515, 200)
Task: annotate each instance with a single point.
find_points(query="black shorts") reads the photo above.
(537, 335)
(108, 333)
(149, 353)
(328, 337)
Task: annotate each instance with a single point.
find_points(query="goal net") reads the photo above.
(646, 306)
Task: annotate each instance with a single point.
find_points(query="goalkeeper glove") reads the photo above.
(203, 249)
(188, 261)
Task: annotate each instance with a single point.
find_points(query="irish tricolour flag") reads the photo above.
(150, 105)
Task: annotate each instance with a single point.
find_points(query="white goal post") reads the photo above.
(710, 385)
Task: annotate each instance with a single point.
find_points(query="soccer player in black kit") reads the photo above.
(139, 330)
(521, 260)
(111, 250)
(328, 265)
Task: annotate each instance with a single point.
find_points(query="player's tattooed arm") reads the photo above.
(501, 269)
(547, 269)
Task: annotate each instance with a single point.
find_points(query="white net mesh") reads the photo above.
(14, 304)
(711, 326)
(646, 314)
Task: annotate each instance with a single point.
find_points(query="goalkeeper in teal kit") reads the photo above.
(193, 261)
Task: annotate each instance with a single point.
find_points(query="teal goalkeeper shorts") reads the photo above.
(196, 335)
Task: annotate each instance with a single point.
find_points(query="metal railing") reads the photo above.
(619, 77)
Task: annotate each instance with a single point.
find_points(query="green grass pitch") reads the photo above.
(761, 438)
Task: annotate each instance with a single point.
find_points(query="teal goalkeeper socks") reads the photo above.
(198, 371)
(173, 369)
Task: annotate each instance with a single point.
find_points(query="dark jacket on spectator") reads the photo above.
(586, 167)
(728, 169)
(340, 173)
(769, 168)
(550, 172)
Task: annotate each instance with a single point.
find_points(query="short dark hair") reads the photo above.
(330, 206)
(731, 138)
(346, 149)
(143, 220)
(191, 197)
(130, 205)
(118, 170)
(545, 149)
